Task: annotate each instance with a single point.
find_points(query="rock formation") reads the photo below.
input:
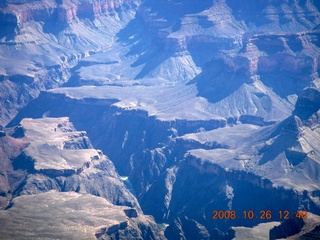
(70, 215)
(198, 106)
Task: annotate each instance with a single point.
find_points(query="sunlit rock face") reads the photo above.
(42, 40)
(60, 158)
(70, 215)
(198, 106)
(63, 12)
(46, 162)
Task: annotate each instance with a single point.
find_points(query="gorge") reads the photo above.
(141, 118)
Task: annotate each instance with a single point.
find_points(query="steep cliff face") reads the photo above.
(174, 46)
(48, 160)
(195, 103)
(243, 64)
(174, 164)
(303, 228)
(60, 158)
(10, 148)
(58, 215)
(42, 40)
(64, 12)
(129, 133)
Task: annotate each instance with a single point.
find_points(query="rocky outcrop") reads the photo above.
(64, 12)
(273, 60)
(272, 15)
(60, 158)
(294, 142)
(186, 229)
(131, 229)
(300, 227)
(204, 188)
(58, 215)
(313, 234)
(194, 102)
(168, 164)
(133, 133)
(10, 179)
(290, 137)
(308, 105)
(80, 169)
(48, 32)
(287, 229)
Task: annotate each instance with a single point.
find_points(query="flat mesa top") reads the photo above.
(165, 102)
(55, 144)
(59, 215)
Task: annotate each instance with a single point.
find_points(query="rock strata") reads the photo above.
(59, 157)
(71, 215)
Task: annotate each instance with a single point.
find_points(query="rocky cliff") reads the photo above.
(41, 41)
(73, 216)
(297, 228)
(60, 158)
(10, 148)
(46, 160)
(61, 12)
(200, 106)
(215, 164)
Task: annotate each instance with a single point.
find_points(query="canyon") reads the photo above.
(142, 118)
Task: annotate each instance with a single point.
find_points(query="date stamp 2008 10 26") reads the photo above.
(262, 214)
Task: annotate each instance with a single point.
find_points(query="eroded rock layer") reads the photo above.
(200, 106)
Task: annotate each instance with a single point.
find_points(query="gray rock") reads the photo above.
(53, 166)
(70, 215)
